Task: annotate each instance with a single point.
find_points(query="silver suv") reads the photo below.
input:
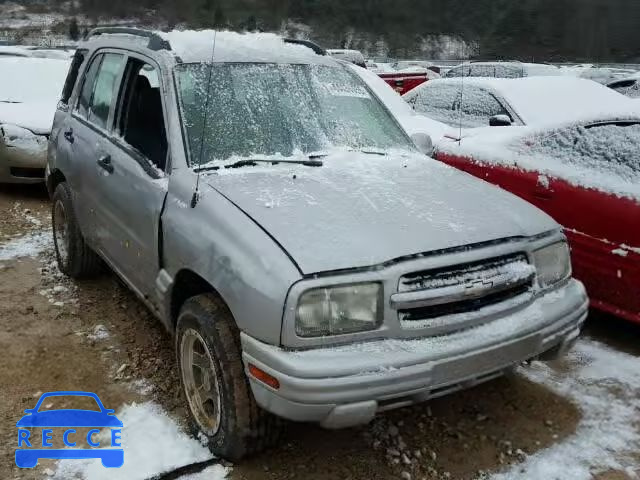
(311, 262)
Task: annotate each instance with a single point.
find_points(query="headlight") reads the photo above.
(553, 264)
(339, 310)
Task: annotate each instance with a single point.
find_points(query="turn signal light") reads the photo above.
(264, 377)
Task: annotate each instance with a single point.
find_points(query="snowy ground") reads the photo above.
(605, 383)
(153, 444)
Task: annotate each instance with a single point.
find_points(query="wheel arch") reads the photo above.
(187, 284)
(55, 178)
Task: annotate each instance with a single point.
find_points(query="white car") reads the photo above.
(411, 121)
(471, 103)
(61, 53)
(352, 56)
(629, 86)
(29, 93)
(502, 70)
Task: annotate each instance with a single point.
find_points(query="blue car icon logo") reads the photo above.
(69, 420)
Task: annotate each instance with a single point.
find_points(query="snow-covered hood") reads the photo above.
(34, 116)
(362, 210)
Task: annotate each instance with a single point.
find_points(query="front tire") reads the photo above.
(74, 256)
(220, 401)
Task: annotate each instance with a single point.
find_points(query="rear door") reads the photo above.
(88, 137)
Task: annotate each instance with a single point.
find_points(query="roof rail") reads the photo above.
(313, 46)
(156, 42)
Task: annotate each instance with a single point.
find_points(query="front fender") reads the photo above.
(221, 244)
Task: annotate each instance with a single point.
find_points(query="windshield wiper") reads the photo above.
(253, 161)
(250, 162)
(370, 151)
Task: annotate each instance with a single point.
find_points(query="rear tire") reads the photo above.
(75, 258)
(236, 426)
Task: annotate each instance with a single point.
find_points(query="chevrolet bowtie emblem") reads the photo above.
(473, 288)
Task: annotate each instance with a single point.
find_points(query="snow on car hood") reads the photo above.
(34, 116)
(29, 95)
(361, 210)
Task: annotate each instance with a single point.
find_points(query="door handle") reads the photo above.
(68, 135)
(105, 163)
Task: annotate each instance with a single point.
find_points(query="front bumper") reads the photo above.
(24, 163)
(347, 385)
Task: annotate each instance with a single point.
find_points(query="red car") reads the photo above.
(587, 177)
(405, 81)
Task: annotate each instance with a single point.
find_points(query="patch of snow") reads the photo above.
(543, 181)
(27, 101)
(99, 332)
(29, 245)
(620, 252)
(153, 443)
(603, 157)
(605, 384)
(196, 46)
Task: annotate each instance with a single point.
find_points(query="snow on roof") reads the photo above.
(30, 92)
(528, 69)
(196, 46)
(553, 100)
(544, 150)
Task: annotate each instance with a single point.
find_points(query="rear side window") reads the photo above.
(87, 86)
(481, 104)
(105, 88)
(72, 76)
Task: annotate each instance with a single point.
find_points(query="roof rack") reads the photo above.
(156, 42)
(313, 46)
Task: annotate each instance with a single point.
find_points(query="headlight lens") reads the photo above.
(339, 310)
(553, 264)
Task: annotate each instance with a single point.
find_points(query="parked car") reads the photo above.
(629, 86)
(311, 262)
(410, 120)
(29, 93)
(56, 53)
(512, 69)
(482, 102)
(586, 175)
(353, 56)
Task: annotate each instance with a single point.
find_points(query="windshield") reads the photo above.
(279, 111)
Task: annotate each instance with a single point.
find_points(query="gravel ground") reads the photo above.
(94, 335)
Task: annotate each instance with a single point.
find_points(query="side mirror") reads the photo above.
(500, 121)
(423, 142)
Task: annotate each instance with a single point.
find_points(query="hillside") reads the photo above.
(544, 30)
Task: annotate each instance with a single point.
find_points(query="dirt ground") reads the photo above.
(51, 339)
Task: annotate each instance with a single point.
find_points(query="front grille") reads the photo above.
(425, 313)
(460, 289)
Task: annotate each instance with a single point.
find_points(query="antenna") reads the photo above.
(196, 192)
(461, 103)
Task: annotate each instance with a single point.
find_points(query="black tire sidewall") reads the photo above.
(63, 195)
(226, 442)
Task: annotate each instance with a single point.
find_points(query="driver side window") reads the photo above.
(140, 117)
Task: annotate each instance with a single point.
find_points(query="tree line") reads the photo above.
(540, 30)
